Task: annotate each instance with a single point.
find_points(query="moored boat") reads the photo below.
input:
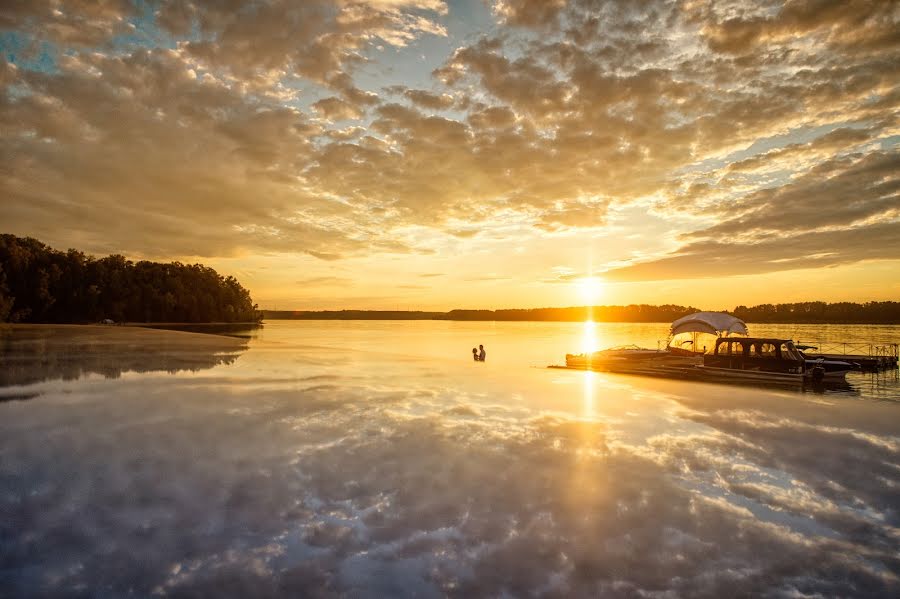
(694, 333)
(715, 346)
(626, 358)
(688, 339)
(834, 369)
(766, 360)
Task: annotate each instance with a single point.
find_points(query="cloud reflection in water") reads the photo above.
(366, 483)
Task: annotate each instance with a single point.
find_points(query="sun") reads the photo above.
(589, 289)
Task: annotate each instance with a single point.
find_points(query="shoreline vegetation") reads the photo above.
(39, 284)
(886, 312)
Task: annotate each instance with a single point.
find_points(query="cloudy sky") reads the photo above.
(432, 154)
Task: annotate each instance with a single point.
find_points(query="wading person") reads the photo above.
(481, 354)
(475, 354)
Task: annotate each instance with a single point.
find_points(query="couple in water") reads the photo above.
(478, 356)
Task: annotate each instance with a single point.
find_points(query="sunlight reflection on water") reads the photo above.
(376, 459)
(589, 339)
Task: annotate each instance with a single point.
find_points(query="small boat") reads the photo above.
(625, 358)
(834, 369)
(621, 352)
(766, 360)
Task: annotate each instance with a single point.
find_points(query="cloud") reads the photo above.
(489, 277)
(230, 125)
(581, 214)
(429, 100)
(140, 154)
(825, 146)
(712, 258)
(841, 211)
(491, 117)
(841, 192)
(564, 274)
(77, 22)
(324, 281)
(344, 485)
(854, 26)
(529, 13)
(317, 40)
(336, 109)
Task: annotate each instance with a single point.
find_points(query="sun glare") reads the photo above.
(589, 344)
(589, 337)
(589, 290)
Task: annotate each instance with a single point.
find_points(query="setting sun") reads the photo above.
(589, 290)
(426, 298)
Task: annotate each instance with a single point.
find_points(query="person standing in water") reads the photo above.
(475, 354)
(481, 354)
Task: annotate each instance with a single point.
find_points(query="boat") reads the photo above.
(716, 346)
(694, 333)
(763, 359)
(834, 369)
(688, 340)
(625, 358)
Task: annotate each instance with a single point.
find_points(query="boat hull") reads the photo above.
(750, 376)
(647, 362)
(835, 370)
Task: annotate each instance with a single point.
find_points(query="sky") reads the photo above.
(431, 155)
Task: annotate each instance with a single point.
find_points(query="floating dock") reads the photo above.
(869, 363)
(870, 356)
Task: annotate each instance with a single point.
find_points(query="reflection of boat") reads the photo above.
(766, 360)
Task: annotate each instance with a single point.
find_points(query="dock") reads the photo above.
(871, 357)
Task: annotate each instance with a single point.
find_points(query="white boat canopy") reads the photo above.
(713, 323)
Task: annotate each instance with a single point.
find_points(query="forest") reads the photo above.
(39, 284)
(633, 313)
(796, 313)
(822, 312)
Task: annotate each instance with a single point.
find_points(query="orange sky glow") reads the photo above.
(431, 154)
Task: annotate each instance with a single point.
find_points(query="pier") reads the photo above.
(869, 356)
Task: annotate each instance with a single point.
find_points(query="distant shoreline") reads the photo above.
(872, 313)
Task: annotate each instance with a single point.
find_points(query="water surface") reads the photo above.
(376, 459)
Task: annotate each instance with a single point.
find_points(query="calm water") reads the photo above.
(375, 459)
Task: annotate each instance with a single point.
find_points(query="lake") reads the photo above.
(376, 459)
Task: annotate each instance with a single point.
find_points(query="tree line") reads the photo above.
(632, 313)
(39, 284)
(822, 312)
(796, 313)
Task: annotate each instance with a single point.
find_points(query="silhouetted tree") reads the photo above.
(6, 301)
(40, 284)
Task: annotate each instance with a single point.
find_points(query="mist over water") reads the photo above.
(376, 459)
